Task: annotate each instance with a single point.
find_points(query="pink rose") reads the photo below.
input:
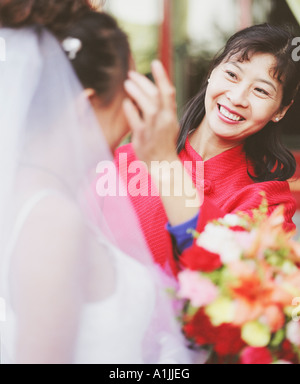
(256, 356)
(274, 318)
(199, 290)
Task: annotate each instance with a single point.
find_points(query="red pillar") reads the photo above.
(246, 19)
(166, 45)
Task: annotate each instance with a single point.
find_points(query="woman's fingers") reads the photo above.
(145, 84)
(138, 96)
(166, 88)
(154, 124)
(145, 94)
(149, 96)
(136, 124)
(132, 114)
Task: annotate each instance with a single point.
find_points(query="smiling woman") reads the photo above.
(233, 126)
(243, 97)
(260, 80)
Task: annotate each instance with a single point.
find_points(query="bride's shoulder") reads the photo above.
(52, 226)
(55, 209)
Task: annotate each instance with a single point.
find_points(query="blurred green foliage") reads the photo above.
(144, 40)
(295, 7)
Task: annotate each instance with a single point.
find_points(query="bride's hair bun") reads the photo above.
(53, 14)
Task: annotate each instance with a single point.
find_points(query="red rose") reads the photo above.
(238, 229)
(225, 339)
(200, 330)
(199, 259)
(256, 356)
(287, 353)
(228, 340)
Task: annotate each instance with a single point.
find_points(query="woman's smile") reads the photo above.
(229, 116)
(242, 94)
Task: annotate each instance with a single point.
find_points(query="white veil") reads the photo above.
(50, 141)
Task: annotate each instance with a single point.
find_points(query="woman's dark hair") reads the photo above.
(53, 14)
(103, 61)
(265, 149)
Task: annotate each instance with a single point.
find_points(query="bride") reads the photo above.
(76, 290)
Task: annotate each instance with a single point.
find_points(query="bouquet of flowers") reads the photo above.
(241, 288)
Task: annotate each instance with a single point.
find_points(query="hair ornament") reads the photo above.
(72, 46)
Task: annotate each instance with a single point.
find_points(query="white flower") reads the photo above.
(232, 220)
(72, 46)
(222, 241)
(293, 333)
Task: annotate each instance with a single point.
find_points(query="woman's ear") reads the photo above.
(93, 98)
(280, 115)
(89, 93)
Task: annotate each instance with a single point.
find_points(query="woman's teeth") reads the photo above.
(229, 115)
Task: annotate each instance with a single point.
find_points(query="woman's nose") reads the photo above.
(238, 96)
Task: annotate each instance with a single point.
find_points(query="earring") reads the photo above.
(209, 81)
(277, 119)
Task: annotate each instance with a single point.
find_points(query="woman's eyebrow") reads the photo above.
(268, 82)
(259, 80)
(235, 64)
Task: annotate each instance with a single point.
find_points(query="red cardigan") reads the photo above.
(228, 189)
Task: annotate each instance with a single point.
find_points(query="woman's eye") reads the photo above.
(231, 74)
(262, 91)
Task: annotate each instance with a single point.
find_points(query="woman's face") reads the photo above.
(242, 98)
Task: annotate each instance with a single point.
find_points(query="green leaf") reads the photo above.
(216, 277)
(278, 339)
(171, 292)
(192, 311)
(194, 233)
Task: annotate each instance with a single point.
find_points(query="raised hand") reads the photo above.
(151, 113)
